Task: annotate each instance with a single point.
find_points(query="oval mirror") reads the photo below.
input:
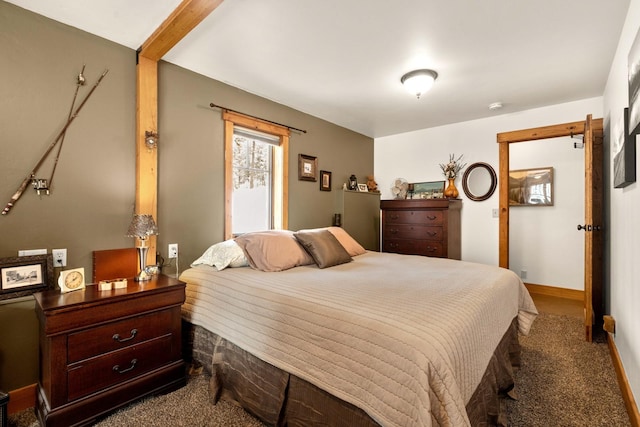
(479, 181)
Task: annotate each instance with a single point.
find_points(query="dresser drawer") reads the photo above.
(427, 217)
(414, 247)
(93, 375)
(419, 232)
(117, 335)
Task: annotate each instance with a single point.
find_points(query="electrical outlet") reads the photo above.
(523, 274)
(495, 213)
(59, 257)
(173, 250)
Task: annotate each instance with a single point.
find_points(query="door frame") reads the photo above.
(504, 139)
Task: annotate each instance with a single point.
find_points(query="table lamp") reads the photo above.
(142, 226)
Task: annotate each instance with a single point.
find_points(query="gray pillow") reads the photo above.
(323, 247)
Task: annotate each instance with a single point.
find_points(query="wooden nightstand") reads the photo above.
(103, 350)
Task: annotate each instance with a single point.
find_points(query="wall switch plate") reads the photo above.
(495, 213)
(59, 257)
(523, 274)
(29, 252)
(173, 250)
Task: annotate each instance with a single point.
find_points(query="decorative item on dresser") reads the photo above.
(102, 350)
(422, 227)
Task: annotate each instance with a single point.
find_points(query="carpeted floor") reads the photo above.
(563, 382)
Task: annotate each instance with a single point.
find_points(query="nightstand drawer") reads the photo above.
(405, 231)
(96, 374)
(117, 335)
(434, 217)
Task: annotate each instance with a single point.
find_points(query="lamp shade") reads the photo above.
(418, 82)
(142, 226)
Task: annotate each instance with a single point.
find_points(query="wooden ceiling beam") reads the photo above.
(182, 20)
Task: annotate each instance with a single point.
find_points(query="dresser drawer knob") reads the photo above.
(116, 337)
(431, 217)
(116, 368)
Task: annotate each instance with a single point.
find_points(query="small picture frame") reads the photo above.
(426, 190)
(25, 275)
(363, 188)
(325, 181)
(307, 168)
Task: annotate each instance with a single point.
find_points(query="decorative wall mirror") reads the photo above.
(479, 181)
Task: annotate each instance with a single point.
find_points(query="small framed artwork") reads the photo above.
(363, 187)
(427, 190)
(531, 187)
(25, 275)
(325, 181)
(307, 168)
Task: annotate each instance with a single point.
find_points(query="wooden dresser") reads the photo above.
(101, 350)
(428, 227)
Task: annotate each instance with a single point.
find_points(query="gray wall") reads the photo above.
(93, 193)
(191, 163)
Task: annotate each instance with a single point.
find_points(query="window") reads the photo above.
(255, 175)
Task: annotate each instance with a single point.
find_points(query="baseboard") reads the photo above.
(625, 388)
(553, 291)
(21, 399)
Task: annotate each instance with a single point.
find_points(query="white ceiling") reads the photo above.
(341, 60)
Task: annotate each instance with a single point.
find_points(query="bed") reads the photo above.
(304, 332)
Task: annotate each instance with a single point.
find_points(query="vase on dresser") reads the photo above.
(451, 192)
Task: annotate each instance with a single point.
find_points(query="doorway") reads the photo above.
(592, 131)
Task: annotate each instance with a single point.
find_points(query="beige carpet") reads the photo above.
(563, 382)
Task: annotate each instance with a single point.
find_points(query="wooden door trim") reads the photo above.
(533, 134)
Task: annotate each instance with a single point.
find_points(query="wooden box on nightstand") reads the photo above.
(100, 350)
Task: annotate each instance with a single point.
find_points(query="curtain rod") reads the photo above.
(212, 105)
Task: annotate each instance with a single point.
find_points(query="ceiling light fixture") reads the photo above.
(418, 82)
(495, 106)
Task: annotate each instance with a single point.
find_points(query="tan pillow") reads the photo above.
(349, 243)
(323, 247)
(273, 250)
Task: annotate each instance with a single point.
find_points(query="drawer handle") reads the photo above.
(116, 368)
(393, 231)
(395, 216)
(116, 337)
(431, 233)
(431, 217)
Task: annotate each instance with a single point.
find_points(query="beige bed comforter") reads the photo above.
(405, 338)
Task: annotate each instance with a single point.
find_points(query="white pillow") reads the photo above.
(222, 255)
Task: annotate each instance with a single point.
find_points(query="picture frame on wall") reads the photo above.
(633, 69)
(25, 275)
(624, 156)
(307, 168)
(531, 187)
(325, 181)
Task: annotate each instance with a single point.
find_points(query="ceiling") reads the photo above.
(341, 60)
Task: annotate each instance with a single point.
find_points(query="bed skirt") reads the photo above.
(278, 398)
